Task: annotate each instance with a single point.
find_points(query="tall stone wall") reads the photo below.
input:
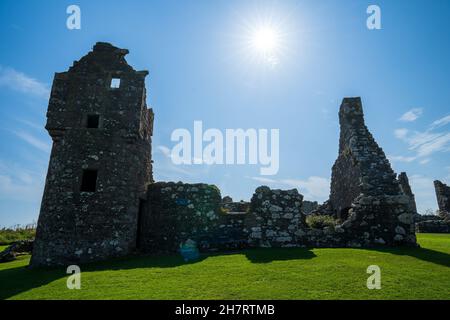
(365, 193)
(406, 189)
(100, 162)
(443, 199)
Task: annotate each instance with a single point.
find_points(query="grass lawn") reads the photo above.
(406, 273)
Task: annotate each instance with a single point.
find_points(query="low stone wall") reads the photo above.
(278, 220)
(427, 217)
(433, 226)
(176, 212)
(230, 232)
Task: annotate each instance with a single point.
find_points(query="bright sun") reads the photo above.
(265, 40)
(265, 43)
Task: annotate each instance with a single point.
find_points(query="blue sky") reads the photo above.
(202, 69)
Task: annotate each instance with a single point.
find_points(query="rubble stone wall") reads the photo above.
(365, 193)
(176, 212)
(278, 220)
(406, 189)
(77, 226)
(433, 226)
(443, 199)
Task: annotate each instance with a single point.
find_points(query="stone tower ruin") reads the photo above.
(365, 193)
(100, 162)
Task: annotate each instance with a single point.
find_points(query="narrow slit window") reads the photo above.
(89, 181)
(115, 83)
(93, 121)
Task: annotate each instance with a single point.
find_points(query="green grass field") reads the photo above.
(406, 273)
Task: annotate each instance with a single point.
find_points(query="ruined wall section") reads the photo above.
(277, 218)
(443, 199)
(77, 225)
(364, 189)
(176, 212)
(406, 189)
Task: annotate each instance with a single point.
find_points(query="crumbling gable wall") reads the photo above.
(364, 189)
(100, 162)
(406, 189)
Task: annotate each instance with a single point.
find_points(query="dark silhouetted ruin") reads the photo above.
(365, 193)
(100, 162)
(100, 200)
(443, 199)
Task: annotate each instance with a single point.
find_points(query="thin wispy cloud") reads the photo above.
(401, 158)
(165, 169)
(423, 143)
(425, 161)
(164, 150)
(19, 81)
(401, 133)
(441, 122)
(31, 124)
(33, 141)
(19, 183)
(411, 115)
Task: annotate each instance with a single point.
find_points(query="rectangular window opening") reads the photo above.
(93, 121)
(89, 181)
(115, 83)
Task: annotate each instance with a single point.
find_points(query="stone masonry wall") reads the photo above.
(443, 199)
(365, 193)
(433, 226)
(278, 220)
(176, 212)
(406, 189)
(77, 226)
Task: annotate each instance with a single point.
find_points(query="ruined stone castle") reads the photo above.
(100, 200)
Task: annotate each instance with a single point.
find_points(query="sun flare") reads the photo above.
(266, 43)
(265, 40)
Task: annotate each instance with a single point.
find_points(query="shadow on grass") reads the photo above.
(428, 255)
(278, 254)
(21, 279)
(16, 280)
